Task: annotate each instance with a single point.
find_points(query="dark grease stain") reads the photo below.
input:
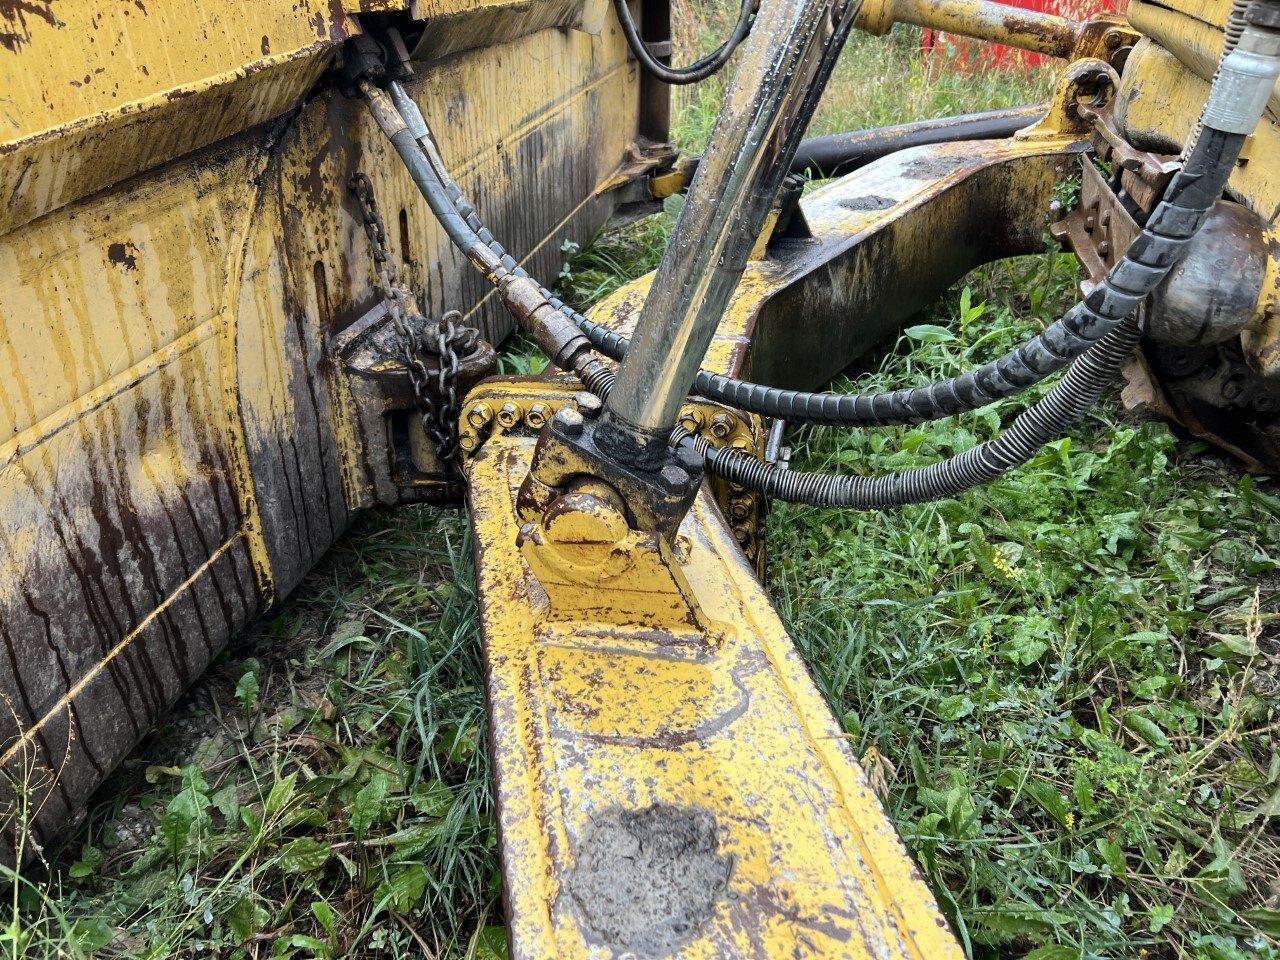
(927, 168)
(645, 881)
(14, 30)
(869, 202)
(124, 254)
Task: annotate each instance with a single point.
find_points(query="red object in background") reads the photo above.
(969, 56)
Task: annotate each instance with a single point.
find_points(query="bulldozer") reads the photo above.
(255, 261)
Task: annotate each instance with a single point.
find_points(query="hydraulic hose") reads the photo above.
(568, 348)
(1187, 201)
(698, 70)
(1082, 385)
(1098, 333)
(1144, 266)
(836, 154)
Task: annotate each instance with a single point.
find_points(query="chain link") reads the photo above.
(436, 392)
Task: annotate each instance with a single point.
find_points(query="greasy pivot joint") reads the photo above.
(655, 498)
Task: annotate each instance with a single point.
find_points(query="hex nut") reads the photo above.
(509, 415)
(721, 426)
(569, 422)
(588, 404)
(479, 415)
(537, 416)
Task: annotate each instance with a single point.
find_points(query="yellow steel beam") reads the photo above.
(674, 785)
(670, 782)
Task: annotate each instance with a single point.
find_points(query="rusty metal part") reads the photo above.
(1103, 37)
(717, 809)
(1099, 229)
(1218, 397)
(1140, 174)
(400, 461)
(1213, 338)
(1218, 288)
(435, 390)
(178, 442)
(501, 407)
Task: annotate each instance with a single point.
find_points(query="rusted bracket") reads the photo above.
(1142, 175)
(399, 465)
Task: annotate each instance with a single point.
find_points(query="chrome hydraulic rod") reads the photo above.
(783, 68)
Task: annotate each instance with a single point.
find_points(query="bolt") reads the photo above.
(1089, 224)
(588, 404)
(480, 415)
(721, 426)
(674, 477)
(509, 415)
(537, 416)
(468, 442)
(1104, 248)
(1113, 39)
(740, 509)
(691, 420)
(742, 536)
(1232, 388)
(568, 421)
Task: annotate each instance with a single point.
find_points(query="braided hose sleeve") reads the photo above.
(1085, 381)
(1144, 266)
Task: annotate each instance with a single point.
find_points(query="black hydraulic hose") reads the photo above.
(1144, 266)
(424, 176)
(1098, 334)
(558, 337)
(698, 70)
(1188, 199)
(837, 154)
(1083, 383)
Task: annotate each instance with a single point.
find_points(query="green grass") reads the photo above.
(1067, 678)
(1064, 683)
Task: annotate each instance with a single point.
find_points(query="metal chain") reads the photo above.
(436, 394)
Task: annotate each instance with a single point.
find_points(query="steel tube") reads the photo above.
(784, 65)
